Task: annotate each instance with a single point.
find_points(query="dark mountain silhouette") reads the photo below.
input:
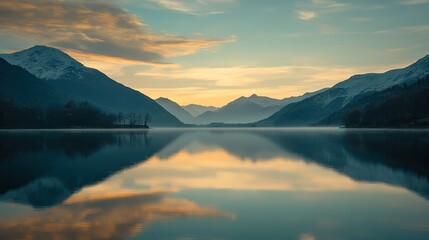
(404, 105)
(25, 89)
(316, 108)
(74, 80)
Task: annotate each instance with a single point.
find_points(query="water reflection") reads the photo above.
(54, 165)
(107, 217)
(112, 184)
(44, 168)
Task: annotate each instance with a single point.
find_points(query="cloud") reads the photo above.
(96, 27)
(195, 7)
(205, 84)
(306, 15)
(361, 19)
(413, 2)
(423, 29)
(315, 8)
(330, 5)
(175, 168)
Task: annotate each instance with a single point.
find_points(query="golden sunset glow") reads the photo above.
(208, 52)
(218, 169)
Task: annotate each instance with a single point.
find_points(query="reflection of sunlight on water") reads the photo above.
(217, 169)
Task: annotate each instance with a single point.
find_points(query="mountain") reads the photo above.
(25, 89)
(270, 102)
(316, 108)
(72, 79)
(402, 105)
(195, 109)
(248, 109)
(176, 110)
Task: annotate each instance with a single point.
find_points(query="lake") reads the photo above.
(185, 184)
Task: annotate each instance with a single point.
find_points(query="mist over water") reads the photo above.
(286, 183)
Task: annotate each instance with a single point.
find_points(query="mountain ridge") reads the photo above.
(81, 83)
(313, 109)
(196, 109)
(175, 109)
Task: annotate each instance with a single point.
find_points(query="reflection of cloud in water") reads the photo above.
(217, 169)
(306, 236)
(395, 158)
(103, 217)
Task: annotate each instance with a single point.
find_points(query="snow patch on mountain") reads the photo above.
(359, 84)
(44, 62)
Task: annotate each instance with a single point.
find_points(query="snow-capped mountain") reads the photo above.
(359, 84)
(314, 109)
(77, 82)
(43, 62)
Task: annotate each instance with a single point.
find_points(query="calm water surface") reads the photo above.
(302, 184)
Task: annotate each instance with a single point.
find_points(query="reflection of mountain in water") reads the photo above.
(396, 158)
(45, 168)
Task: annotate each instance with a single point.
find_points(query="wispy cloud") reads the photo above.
(330, 5)
(413, 2)
(361, 19)
(313, 8)
(405, 30)
(204, 84)
(194, 7)
(306, 15)
(96, 27)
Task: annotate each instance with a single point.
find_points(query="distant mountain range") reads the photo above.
(329, 106)
(195, 109)
(44, 76)
(59, 74)
(249, 109)
(242, 110)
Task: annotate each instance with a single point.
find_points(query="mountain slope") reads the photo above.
(399, 106)
(175, 109)
(25, 89)
(195, 109)
(236, 112)
(270, 102)
(71, 78)
(313, 109)
(248, 109)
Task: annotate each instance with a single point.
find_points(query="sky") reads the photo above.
(211, 52)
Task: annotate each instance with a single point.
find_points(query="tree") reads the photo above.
(353, 118)
(132, 119)
(147, 119)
